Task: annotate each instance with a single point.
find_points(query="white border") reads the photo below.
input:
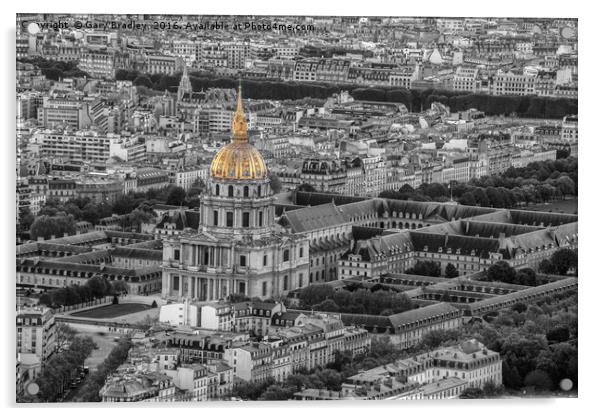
(590, 69)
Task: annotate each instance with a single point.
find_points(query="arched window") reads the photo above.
(230, 190)
(245, 191)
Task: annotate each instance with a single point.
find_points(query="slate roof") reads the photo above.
(466, 244)
(315, 218)
(538, 217)
(137, 253)
(86, 268)
(38, 247)
(419, 314)
(84, 238)
(564, 283)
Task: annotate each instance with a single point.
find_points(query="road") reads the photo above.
(105, 343)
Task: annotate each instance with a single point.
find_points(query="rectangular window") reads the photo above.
(176, 283)
(265, 260)
(243, 261)
(215, 217)
(260, 218)
(229, 219)
(264, 289)
(245, 219)
(285, 255)
(176, 254)
(300, 251)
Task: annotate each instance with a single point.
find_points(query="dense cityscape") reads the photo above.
(244, 208)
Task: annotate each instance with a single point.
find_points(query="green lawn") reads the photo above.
(112, 311)
(567, 206)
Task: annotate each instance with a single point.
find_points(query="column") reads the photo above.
(180, 285)
(189, 283)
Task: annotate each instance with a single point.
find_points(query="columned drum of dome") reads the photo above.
(238, 159)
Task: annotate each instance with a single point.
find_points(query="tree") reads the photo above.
(124, 204)
(251, 391)
(64, 334)
(275, 183)
(538, 379)
(314, 294)
(89, 392)
(559, 333)
(451, 271)
(425, 268)
(563, 260)
(519, 307)
(546, 266)
(46, 226)
(501, 271)
(526, 277)
(276, 392)
(468, 199)
(143, 81)
(490, 389)
(437, 337)
(176, 196)
(327, 305)
(472, 393)
(26, 219)
(60, 368)
(119, 286)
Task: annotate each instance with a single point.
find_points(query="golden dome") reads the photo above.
(238, 159)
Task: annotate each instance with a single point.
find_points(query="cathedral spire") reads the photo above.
(185, 86)
(239, 124)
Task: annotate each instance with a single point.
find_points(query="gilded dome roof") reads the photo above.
(238, 159)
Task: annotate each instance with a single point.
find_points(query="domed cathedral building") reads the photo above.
(238, 247)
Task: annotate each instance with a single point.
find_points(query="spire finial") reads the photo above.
(239, 124)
